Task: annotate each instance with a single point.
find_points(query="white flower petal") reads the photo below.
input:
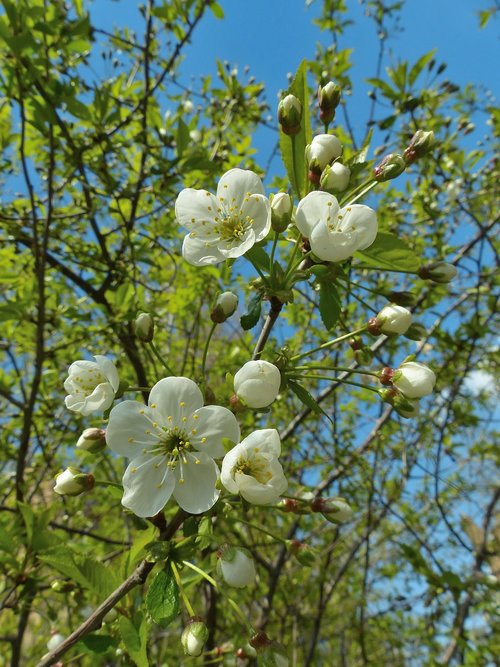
(126, 431)
(237, 183)
(147, 485)
(214, 422)
(108, 369)
(198, 493)
(229, 463)
(333, 246)
(260, 494)
(258, 208)
(236, 247)
(363, 219)
(265, 440)
(174, 398)
(100, 399)
(314, 208)
(198, 253)
(195, 207)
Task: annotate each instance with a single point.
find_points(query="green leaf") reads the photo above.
(250, 319)
(307, 398)
(259, 257)
(183, 139)
(390, 253)
(217, 10)
(87, 572)
(296, 145)
(162, 599)
(419, 66)
(135, 641)
(99, 643)
(329, 304)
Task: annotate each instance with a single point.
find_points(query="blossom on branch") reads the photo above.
(91, 385)
(335, 233)
(172, 443)
(414, 380)
(252, 468)
(257, 383)
(225, 225)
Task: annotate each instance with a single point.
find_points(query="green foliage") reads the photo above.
(162, 600)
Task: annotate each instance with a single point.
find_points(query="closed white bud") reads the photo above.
(335, 510)
(92, 440)
(257, 383)
(235, 565)
(73, 482)
(414, 380)
(225, 306)
(323, 150)
(187, 106)
(438, 272)
(394, 320)
(55, 640)
(194, 637)
(144, 327)
(281, 211)
(335, 178)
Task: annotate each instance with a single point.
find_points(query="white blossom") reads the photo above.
(194, 636)
(172, 443)
(252, 468)
(334, 233)
(335, 177)
(235, 565)
(257, 383)
(394, 319)
(73, 482)
(323, 150)
(414, 380)
(91, 385)
(225, 225)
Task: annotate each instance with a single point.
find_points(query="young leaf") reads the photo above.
(162, 599)
(329, 304)
(135, 641)
(251, 318)
(306, 398)
(391, 253)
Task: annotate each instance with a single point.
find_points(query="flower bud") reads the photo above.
(270, 653)
(328, 101)
(335, 178)
(386, 375)
(391, 321)
(92, 440)
(416, 331)
(390, 167)
(225, 306)
(281, 211)
(72, 482)
(290, 114)
(414, 380)
(257, 383)
(144, 327)
(323, 150)
(55, 640)
(302, 552)
(438, 272)
(335, 510)
(235, 565)
(194, 636)
(420, 144)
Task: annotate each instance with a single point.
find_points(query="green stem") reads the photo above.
(271, 259)
(262, 530)
(341, 369)
(160, 358)
(330, 343)
(363, 193)
(184, 597)
(333, 379)
(355, 194)
(294, 167)
(205, 351)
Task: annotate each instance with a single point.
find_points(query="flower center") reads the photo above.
(174, 441)
(89, 380)
(257, 467)
(232, 225)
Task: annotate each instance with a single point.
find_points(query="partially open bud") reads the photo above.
(72, 482)
(414, 380)
(323, 150)
(144, 327)
(392, 320)
(281, 211)
(420, 144)
(335, 510)
(225, 306)
(390, 167)
(235, 565)
(335, 178)
(92, 440)
(257, 383)
(194, 636)
(328, 100)
(438, 272)
(290, 114)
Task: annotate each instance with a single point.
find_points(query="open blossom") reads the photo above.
(414, 380)
(257, 383)
(252, 468)
(172, 443)
(91, 385)
(334, 233)
(225, 225)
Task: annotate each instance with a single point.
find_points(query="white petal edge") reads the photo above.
(313, 209)
(198, 493)
(147, 488)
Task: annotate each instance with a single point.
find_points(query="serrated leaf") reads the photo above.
(135, 640)
(293, 149)
(388, 252)
(306, 398)
(99, 643)
(101, 579)
(162, 599)
(259, 257)
(250, 319)
(329, 304)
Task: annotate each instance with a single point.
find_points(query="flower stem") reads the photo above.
(212, 581)
(271, 260)
(184, 597)
(355, 194)
(262, 530)
(363, 192)
(341, 369)
(330, 343)
(334, 379)
(205, 351)
(155, 351)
